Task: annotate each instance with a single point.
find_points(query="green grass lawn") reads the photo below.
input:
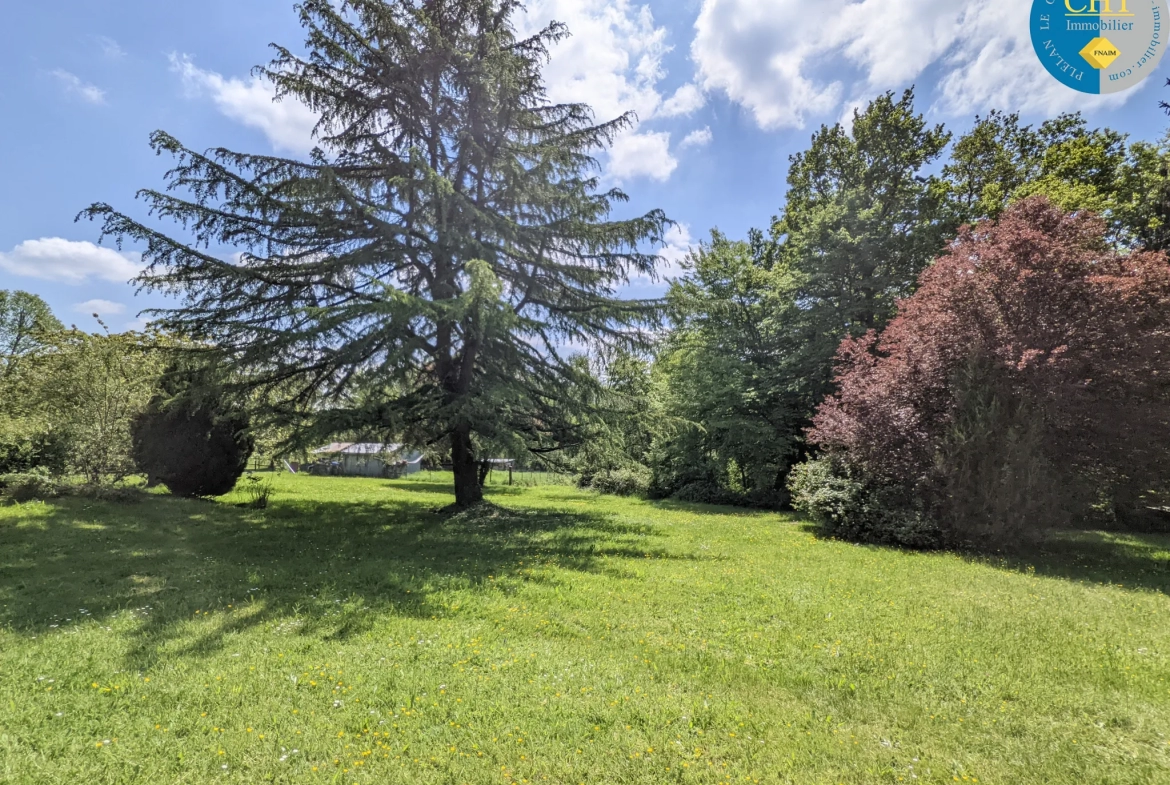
(348, 634)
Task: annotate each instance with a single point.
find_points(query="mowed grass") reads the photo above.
(349, 634)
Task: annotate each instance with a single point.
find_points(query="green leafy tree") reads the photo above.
(1146, 212)
(999, 161)
(26, 323)
(989, 164)
(91, 386)
(625, 418)
(735, 390)
(1150, 210)
(1083, 170)
(861, 218)
(417, 275)
(28, 436)
(630, 378)
(756, 323)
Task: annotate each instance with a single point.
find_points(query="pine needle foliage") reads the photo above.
(417, 274)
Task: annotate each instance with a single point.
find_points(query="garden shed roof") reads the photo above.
(357, 448)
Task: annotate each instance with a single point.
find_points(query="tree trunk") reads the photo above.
(1131, 509)
(467, 488)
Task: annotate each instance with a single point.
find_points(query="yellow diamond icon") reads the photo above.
(1100, 52)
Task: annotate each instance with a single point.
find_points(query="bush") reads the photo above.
(39, 485)
(191, 438)
(629, 481)
(193, 453)
(703, 492)
(847, 507)
(767, 499)
(708, 492)
(24, 446)
(118, 494)
(35, 485)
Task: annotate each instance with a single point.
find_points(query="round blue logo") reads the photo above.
(1099, 46)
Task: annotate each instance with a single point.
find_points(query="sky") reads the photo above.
(725, 91)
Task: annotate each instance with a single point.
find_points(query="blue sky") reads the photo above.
(725, 90)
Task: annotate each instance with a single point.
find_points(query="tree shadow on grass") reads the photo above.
(716, 509)
(1129, 560)
(448, 488)
(330, 569)
(422, 486)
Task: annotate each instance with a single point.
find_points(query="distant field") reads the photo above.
(348, 634)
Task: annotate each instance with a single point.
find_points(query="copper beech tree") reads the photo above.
(1026, 381)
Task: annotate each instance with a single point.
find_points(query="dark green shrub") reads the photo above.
(710, 492)
(34, 485)
(193, 452)
(628, 481)
(703, 492)
(192, 439)
(24, 446)
(847, 506)
(767, 499)
(679, 462)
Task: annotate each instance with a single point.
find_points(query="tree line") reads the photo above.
(419, 277)
(88, 411)
(888, 349)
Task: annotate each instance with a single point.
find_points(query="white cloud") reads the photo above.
(754, 50)
(83, 90)
(698, 138)
(686, 101)
(288, 124)
(100, 307)
(768, 55)
(612, 61)
(111, 48)
(678, 245)
(642, 155)
(70, 262)
(994, 65)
